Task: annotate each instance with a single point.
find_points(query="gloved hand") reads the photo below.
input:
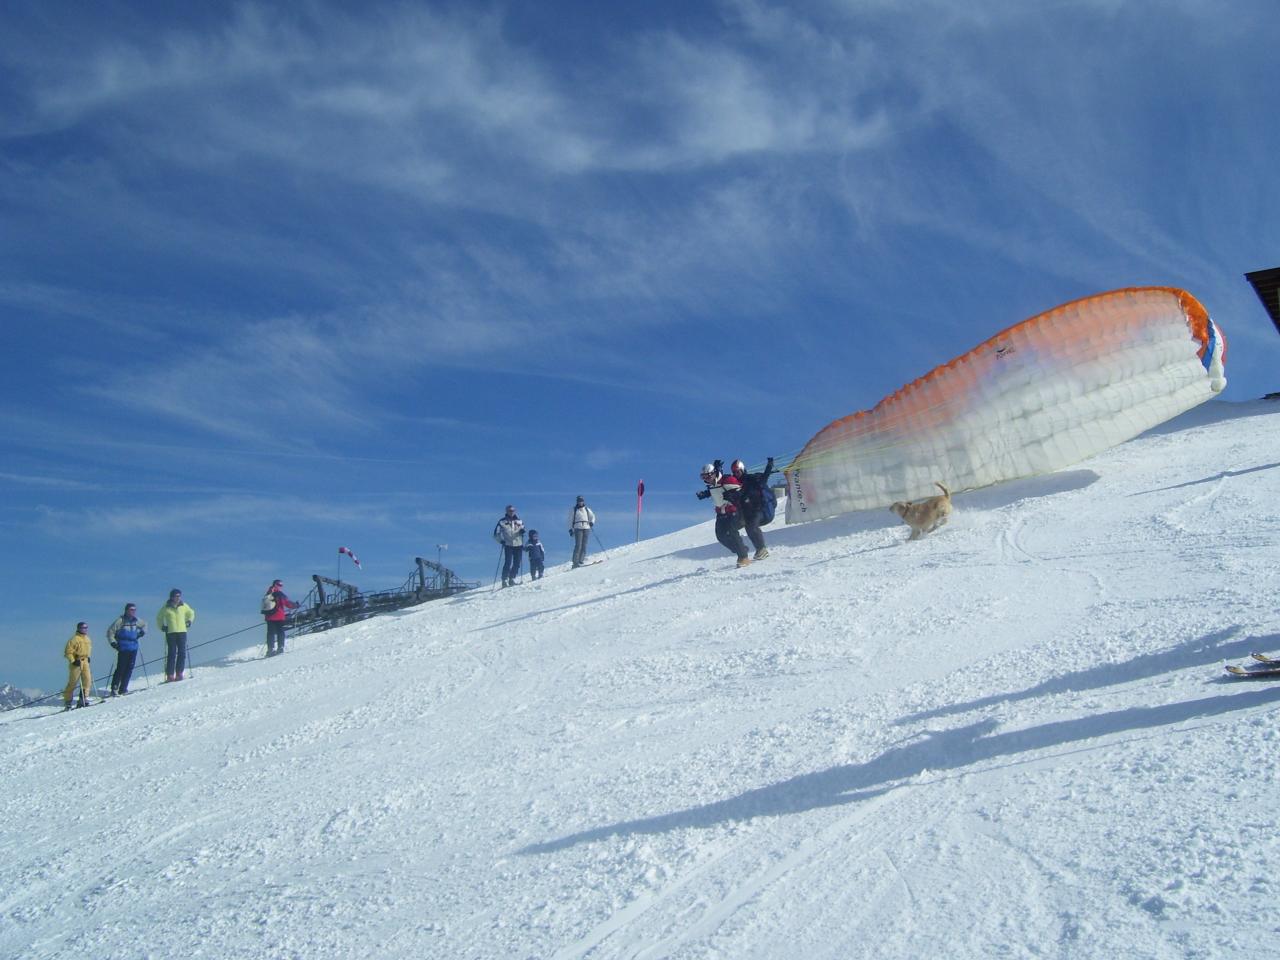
(75, 662)
(114, 645)
(703, 494)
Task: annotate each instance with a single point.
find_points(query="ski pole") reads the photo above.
(602, 549)
(94, 682)
(498, 568)
(144, 664)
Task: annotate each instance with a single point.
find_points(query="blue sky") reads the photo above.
(279, 278)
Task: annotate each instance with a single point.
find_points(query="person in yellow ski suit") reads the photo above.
(77, 653)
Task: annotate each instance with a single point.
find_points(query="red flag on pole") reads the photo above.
(347, 551)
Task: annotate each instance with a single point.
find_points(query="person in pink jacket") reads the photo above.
(280, 605)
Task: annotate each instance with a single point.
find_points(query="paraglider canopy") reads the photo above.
(1039, 396)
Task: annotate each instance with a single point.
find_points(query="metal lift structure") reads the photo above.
(335, 603)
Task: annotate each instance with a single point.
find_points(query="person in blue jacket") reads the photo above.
(537, 555)
(123, 635)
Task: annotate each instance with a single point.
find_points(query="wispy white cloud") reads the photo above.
(602, 458)
(273, 373)
(990, 79)
(428, 106)
(420, 102)
(38, 480)
(775, 138)
(31, 304)
(208, 515)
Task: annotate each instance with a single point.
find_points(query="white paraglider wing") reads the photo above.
(1042, 395)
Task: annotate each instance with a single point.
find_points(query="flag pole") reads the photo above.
(639, 501)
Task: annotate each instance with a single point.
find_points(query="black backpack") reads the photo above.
(758, 492)
(768, 504)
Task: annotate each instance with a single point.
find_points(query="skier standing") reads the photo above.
(537, 555)
(751, 502)
(123, 635)
(280, 606)
(510, 533)
(174, 620)
(77, 653)
(581, 520)
(724, 491)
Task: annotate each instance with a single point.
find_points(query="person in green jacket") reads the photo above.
(174, 620)
(77, 653)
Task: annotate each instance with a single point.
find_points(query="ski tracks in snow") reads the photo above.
(734, 875)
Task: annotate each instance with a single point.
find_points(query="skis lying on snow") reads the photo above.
(1269, 668)
(1257, 673)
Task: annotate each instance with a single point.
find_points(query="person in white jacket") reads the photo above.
(509, 532)
(581, 520)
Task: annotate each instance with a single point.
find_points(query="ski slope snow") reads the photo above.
(1013, 738)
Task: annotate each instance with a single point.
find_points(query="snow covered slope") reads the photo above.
(1010, 739)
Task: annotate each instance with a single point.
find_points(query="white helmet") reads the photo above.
(709, 470)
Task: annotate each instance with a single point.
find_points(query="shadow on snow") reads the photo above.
(1197, 652)
(1223, 475)
(938, 751)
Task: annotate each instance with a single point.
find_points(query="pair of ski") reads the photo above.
(63, 710)
(1269, 668)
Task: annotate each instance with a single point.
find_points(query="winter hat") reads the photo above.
(533, 533)
(175, 592)
(580, 500)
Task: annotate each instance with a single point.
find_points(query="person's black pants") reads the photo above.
(535, 569)
(727, 533)
(175, 660)
(751, 523)
(275, 637)
(511, 566)
(125, 660)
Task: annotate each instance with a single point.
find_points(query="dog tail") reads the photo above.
(945, 491)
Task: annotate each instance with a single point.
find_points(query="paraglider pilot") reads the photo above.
(723, 490)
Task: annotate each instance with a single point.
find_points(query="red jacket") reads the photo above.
(283, 605)
(724, 494)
